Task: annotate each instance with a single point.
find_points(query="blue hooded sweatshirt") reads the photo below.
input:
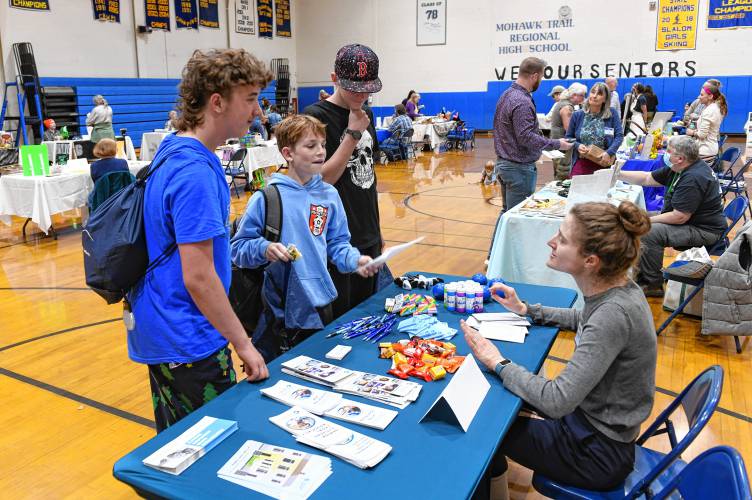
(314, 220)
(186, 201)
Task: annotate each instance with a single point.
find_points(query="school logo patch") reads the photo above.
(317, 219)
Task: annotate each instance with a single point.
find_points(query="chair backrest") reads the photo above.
(237, 158)
(717, 473)
(735, 210)
(698, 401)
(722, 141)
(731, 155)
(407, 137)
(107, 185)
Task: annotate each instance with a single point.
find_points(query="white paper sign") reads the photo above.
(463, 395)
(245, 20)
(431, 22)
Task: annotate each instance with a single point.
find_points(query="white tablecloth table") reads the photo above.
(150, 142)
(39, 198)
(435, 132)
(520, 251)
(259, 156)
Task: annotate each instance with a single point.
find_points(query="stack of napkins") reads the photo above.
(330, 404)
(353, 447)
(181, 452)
(426, 327)
(275, 471)
(387, 390)
(507, 326)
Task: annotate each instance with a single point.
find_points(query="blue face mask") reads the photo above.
(666, 160)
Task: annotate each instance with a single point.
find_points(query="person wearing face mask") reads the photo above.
(594, 408)
(595, 125)
(708, 129)
(351, 148)
(692, 214)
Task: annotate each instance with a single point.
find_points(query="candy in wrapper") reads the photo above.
(437, 372)
(294, 252)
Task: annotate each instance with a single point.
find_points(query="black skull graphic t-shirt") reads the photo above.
(357, 185)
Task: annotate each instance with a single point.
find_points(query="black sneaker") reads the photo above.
(653, 290)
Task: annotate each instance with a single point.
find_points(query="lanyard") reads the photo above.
(677, 176)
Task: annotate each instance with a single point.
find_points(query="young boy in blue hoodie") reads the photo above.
(298, 292)
(183, 319)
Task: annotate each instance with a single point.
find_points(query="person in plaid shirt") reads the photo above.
(400, 124)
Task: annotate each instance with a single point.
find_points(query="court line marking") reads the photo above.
(59, 332)
(66, 288)
(79, 398)
(667, 392)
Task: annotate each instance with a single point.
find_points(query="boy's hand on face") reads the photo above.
(364, 268)
(276, 252)
(358, 120)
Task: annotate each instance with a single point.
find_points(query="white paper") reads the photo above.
(504, 316)
(362, 414)
(392, 251)
(314, 400)
(465, 392)
(586, 188)
(554, 154)
(275, 471)
(318, 370)
(358, 449)
(502, 330)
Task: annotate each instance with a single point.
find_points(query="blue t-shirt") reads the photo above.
(187, 201)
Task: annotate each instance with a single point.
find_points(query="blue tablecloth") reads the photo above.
(382, 134)
(653, 195)
(432, 458)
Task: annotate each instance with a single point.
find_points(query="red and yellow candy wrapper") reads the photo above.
(425, 359)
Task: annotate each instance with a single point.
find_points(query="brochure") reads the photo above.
(315, 370)
(313, 400)
(353, 447)
(275, 471)
(181, 452)
(362, 414)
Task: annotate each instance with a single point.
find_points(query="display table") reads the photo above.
(39, 198)
(653, 195)
(150, 142)
(432, 458)
(519, 251)
(432, 134)
(267, 155)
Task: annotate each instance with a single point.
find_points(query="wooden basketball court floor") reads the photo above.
(72, 402)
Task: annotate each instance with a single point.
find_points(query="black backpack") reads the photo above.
(246, 284)
(114, 241)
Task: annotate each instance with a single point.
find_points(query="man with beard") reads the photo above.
(350, 151)
(517, 139)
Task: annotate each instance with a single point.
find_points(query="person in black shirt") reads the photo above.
(692, 214)
(351, 148)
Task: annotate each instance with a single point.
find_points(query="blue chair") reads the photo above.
(717, 473)
(731, 155)
(734, 183)
(733, 212)
(652, 469)
(406, 144)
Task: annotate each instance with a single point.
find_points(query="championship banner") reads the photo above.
(107, 10)
(208, 14)
(186, 14)
(729, 14)
(157, 14)
(245, 20)
(282, 18)
(677, 24)
(30, 4)
(265, 18)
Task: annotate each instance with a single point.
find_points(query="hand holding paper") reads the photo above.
(482, 348)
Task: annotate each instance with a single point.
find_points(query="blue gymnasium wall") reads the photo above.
(477, 108)
(138, 104)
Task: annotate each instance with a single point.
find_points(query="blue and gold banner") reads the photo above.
(282, 18)
(30, 4)
(186, 14)
(157, 14)
(107, 10)
(729, 14)
(208, 14)
(265, 18)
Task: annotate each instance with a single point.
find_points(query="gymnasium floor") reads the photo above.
(73, 403)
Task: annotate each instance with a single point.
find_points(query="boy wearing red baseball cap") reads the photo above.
(351, 148)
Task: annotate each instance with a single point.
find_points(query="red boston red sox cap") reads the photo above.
(357, 69)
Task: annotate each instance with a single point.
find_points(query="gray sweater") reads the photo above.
(611, 375)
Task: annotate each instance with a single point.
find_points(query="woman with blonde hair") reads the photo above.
(592, 411)
(100, 119)
(106, 150)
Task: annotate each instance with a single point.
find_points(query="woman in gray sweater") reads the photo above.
(593, 409)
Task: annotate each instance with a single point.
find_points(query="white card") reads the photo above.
(502, 330)
(339, 352)
(464, 394)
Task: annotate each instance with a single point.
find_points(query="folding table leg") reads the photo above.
(23, 229)
(738, 344)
